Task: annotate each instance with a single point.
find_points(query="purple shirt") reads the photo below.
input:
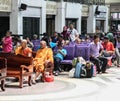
(95, 48)
(118, 45)
(36, 44)
(7, 44)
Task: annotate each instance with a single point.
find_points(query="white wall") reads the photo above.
(60, 17)
(73, 10)
(68, 10)
(35, 8)
(34, 3)
(91, 21)
(112, 1)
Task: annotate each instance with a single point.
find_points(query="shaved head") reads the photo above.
(43, 44)
(24, 43)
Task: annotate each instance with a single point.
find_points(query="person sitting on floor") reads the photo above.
(58, 57)
(43, 59)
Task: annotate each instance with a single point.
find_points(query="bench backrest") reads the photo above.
(15, 61)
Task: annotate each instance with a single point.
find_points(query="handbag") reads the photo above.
(72, 72)
(49, 77)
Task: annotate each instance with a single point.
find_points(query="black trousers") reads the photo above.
(57, 64)
(100, 62)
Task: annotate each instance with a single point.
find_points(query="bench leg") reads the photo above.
(3, 85)
(29, 81)
(21, 82)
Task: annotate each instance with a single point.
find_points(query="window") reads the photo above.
(73, 21)
(30, 27)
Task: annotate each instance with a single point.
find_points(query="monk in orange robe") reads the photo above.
(23, 49)
(43, 57)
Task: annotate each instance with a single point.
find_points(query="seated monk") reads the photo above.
(43, 58)
(23, 49)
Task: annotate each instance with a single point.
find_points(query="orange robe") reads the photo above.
(24, 52)
(41, 56)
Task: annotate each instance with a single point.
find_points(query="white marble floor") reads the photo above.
(103, 87)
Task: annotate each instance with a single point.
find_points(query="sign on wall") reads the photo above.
(51, 8)
(5, 5)
(103, 12)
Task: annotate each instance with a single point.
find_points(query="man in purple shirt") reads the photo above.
(95, 55)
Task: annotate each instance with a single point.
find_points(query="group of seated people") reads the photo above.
(99, 51)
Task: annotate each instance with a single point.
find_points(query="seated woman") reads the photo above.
(23, 49)
(58, 57)
(43, 58)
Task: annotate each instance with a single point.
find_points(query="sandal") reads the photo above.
(118, 65)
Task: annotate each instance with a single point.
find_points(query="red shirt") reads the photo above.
(108, 46)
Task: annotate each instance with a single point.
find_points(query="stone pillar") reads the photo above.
(16, 18)
(91, 21)
(43, 18)
(60, 17)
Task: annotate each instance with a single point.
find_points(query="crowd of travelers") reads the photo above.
(100, 48)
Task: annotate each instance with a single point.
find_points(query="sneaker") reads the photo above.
(56, 73)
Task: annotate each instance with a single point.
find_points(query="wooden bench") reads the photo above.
(3, 72)
(18, 66)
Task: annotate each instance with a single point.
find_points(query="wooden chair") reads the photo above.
(19, 66)
(3, 72)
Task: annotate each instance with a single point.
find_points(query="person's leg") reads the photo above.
(38, 71)
(104, 63)
(96, 61)
(117, 56)
(57, 64)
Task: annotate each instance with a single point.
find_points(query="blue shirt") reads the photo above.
(52, 44)
(59, 55)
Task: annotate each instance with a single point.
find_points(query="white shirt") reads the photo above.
(72, 33)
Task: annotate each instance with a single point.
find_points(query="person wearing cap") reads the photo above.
(108, 47)
(7, 43)
(117, 51)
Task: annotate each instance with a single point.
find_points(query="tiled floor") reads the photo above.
(104, 87)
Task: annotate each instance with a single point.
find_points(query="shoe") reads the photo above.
(56, 73)
(33, 82)
(118, 65)
(104, 72)
(99, 72)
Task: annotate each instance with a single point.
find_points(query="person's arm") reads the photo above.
(112, 49)
(64, 53)
(101, 50)
(7, 41)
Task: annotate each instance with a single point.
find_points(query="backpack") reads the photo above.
(79, 71)
(89, 70)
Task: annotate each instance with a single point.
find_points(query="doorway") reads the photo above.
(50, 24)
(4, 25)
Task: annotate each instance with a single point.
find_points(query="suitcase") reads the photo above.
(78, 70)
